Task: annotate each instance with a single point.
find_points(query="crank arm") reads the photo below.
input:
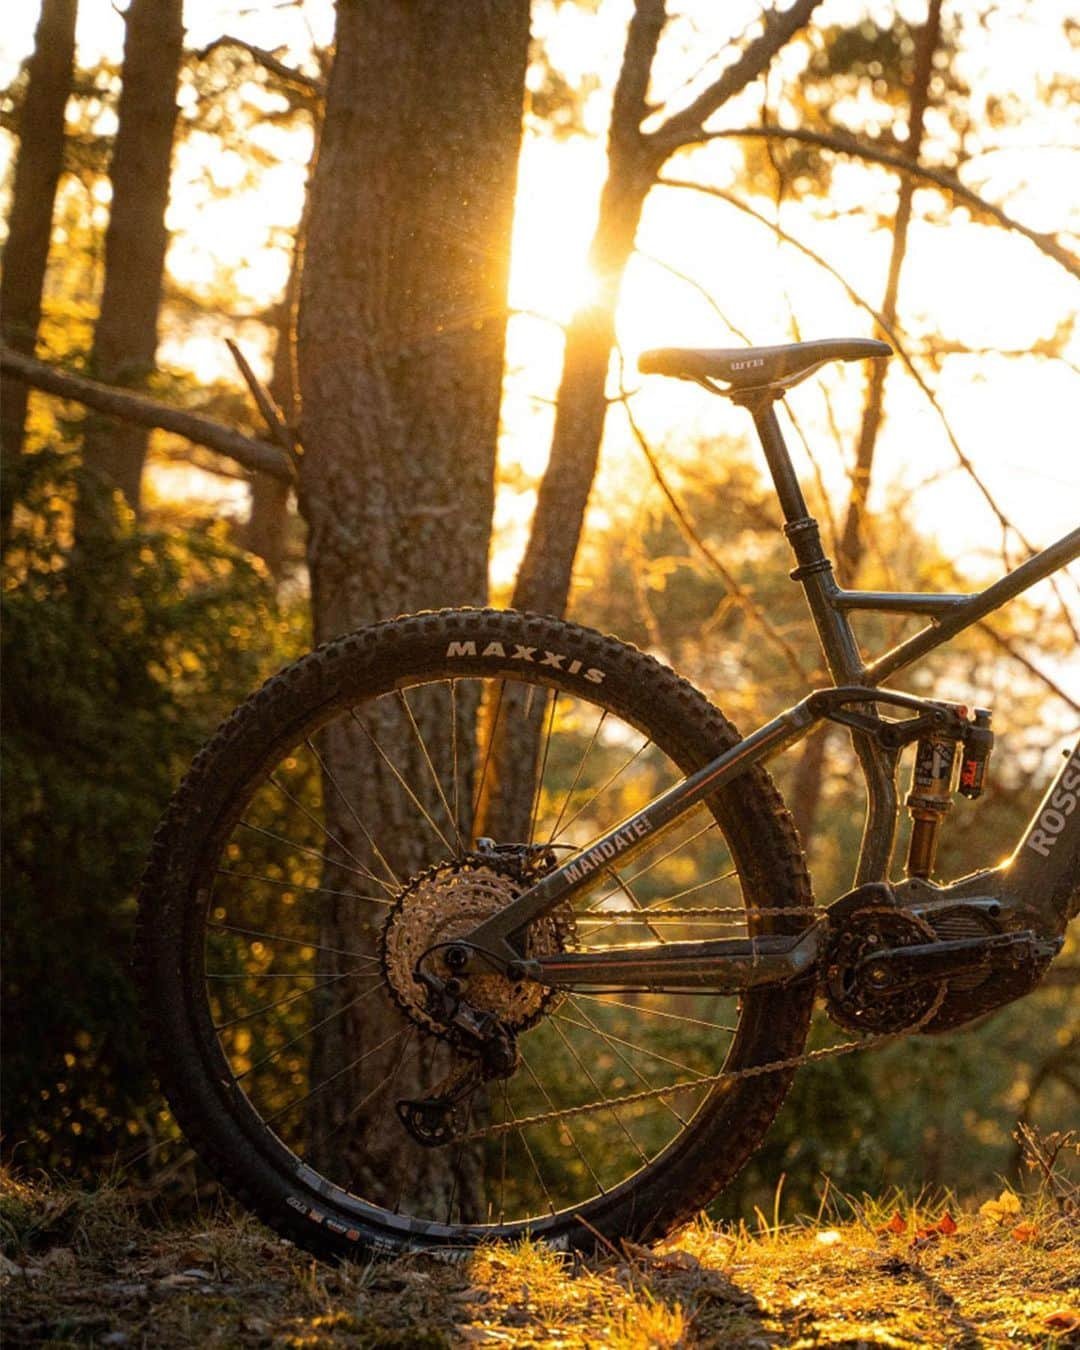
(900, 967)
(723, 965)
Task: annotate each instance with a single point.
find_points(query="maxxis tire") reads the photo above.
(216, 1117)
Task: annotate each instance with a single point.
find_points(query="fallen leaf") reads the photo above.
(947, 1224)
(895, 1225)
(1025, 1232)
(673, 1260)
(1068, 1319)
(1002, 1209)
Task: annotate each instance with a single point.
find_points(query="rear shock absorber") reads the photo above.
(932, 782)
(930, 799)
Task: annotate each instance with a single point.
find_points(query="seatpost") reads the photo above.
(813, 570)
(792, 501)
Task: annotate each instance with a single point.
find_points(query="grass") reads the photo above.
(92, 1267)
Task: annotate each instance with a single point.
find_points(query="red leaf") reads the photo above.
(1025, 1232)
(947, 1224)
(895, 1225)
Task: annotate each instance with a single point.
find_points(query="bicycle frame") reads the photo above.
(1036, 880)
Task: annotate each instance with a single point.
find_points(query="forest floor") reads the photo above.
(96, 1268)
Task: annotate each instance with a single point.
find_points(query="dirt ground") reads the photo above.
(95, 1268)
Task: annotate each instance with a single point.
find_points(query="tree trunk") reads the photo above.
(543, 580)
(125, 337)
(37, 172)
(852, 543)
(810, 773)
(401, 336)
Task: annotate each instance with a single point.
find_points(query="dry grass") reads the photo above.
(88, 1268)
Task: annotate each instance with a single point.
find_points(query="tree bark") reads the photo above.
(125, 337)
(37, 173)
(401, 341)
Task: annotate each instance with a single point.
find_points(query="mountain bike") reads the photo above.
(474, 925)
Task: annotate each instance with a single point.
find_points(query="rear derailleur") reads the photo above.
(442, 1117)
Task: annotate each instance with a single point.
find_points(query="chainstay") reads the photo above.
(712, 1080)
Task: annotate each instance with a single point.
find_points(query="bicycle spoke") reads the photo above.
(325, 768)
(410, 1048)
(655, 863)
(489, 746)
(652, 1012)
(293, 942)
(400, 778)
(274, 975)
(656, 907)
(335, 1076)
(577, 777)
(630, 1045)
(455, 1170)
(569, 1132)
(631, 915)
(282, 1002)
(431, 767)
(543, 767)
(602, 788)
(529, 1154)
(455, 790)
(303, 1035)
(314, 853)
(296, 886)
(320, 825)
(584, 1068)
(645, 1082)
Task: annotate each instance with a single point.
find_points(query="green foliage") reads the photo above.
(118, 660)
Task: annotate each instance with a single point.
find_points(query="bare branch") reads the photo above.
(892, 333)
(252, 454)
(848, 145)
(1012, 650)
(686, 126)
(271, 414)
(308, 83)
(686, 526)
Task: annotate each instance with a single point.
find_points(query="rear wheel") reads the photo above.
(327, 838)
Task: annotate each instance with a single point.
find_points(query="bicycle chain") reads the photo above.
(614, 916)
(711, 1080)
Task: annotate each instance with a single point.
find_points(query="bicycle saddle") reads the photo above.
(743, 369)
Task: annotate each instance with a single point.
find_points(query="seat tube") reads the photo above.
(813, 570)
(841, 651)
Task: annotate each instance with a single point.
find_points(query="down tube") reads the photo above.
(1045, 869)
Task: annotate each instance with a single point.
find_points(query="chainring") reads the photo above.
(851, 999)
(443, 904)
